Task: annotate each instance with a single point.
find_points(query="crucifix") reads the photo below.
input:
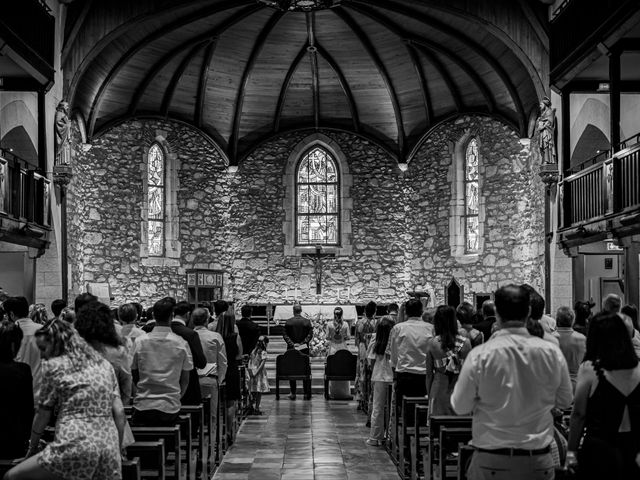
(316, 258)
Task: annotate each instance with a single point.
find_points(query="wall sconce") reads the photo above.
(403, 166)
(232, 169)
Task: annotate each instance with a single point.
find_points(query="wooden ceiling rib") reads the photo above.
(366, 43)
(241, 71)
(468, 42)
(202, 83)
(95, 106)
(257, 48)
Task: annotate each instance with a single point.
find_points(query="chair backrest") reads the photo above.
(342, 365)
(292, 363)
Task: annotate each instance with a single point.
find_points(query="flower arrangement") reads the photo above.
(319, 345)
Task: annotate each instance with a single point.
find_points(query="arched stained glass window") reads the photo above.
(156, 200)
(317, 199)
(471, 196)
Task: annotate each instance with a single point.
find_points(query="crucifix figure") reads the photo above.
(317, 261)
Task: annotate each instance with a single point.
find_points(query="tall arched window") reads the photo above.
(317, 199)
(471, 197)
(156, 173)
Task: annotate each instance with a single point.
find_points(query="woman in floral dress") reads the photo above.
(364, 332)
(82, 387)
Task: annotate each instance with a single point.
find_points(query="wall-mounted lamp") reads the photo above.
(403, 166)
(603, 87)
(232, 169)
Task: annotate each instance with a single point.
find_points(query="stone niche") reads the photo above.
(233, 222)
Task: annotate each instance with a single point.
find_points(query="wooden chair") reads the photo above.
(186, 439)
(131, 469)
(292, 365)
(341, 366)
(465, 452)
(406, 428)
(197, 424)
(437, 422)
(151, 456)
(451, 439)
(418, 441)
(171, 438)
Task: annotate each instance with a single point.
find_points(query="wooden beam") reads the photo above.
(382, 70)
(163, 62)
(71, 38)
(315, 82)
(285, 86)
(591, 86)
(468, 42)
(255, 52)
(446, 76)
(42, 134)
(422, 80)
(159, 33)
(343, 84)
(202, 82)
(170, 11)
(408, 37)
(177, 75)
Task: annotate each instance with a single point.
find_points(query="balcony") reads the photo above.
(601, 198)
(28, 30)
(24, 203)
(579, 26)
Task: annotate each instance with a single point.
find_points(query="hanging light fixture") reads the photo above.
(300, 5)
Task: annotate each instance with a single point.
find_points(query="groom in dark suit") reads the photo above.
(298, 333)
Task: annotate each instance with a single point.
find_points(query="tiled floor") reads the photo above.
(302, 440)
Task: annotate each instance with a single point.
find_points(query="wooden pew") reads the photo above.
(406, 428)
(131, 469)
(210, 434)
(152, 458)
(171, 438)
(437, 422)
(450, 441)
(418, 441)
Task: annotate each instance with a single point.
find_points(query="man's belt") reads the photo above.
(516, 452)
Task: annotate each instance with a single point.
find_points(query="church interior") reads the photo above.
(323, 153)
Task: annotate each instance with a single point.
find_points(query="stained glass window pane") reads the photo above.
(471, 197)
(318, 196)
(156, 165)
(472, 234)
(156, 238)
(155, 200)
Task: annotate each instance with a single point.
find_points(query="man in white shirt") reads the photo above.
(161, 363)
(17, 309)
(407, 350)
(510, 384)
(573, 344)
(216, 353)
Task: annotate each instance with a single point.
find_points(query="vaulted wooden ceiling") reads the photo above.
(242, 71)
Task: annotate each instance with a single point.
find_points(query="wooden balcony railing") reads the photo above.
(609, 187)
(24, 194)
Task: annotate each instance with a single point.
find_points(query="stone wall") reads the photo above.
(233, 222)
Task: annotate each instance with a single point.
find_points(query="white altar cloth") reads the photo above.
(283, 312)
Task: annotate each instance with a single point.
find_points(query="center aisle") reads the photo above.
(302, 440)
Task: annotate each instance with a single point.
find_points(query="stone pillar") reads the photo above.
(62, 175)
(549, 175)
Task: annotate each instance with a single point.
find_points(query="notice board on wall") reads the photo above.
(100, 290)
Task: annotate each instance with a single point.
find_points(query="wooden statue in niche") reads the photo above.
(547, 132)
(453, 293)
(62, 126)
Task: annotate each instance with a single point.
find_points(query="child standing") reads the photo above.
(381, 377)
(258, 381)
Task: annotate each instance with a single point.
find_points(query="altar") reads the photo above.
(319, 314)
(284, 312)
